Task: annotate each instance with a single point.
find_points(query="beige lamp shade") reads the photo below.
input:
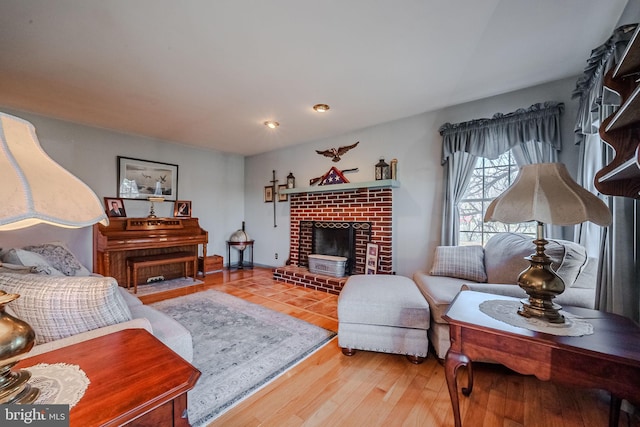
(545, 192)
(34, 189)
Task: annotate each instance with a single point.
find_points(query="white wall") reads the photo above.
(227, 189)
(212, 180)
(416, 143)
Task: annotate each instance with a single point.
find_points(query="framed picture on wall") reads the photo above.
(371, 260)
(182, 209)
(282, 197)
(114, 207)
(141, 179)
(268, 194)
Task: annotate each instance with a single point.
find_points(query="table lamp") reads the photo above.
(35, 190)
(545, 193)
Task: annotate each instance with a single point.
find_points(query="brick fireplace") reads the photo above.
(360, 205)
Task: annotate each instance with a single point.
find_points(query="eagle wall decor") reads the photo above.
(336, 153)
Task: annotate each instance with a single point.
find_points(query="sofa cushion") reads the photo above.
(60, 306)
(504, 256)
(439, 291)
(463, 262)
(61, 258)
(30, 259)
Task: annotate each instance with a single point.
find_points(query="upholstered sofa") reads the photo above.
(494, 269)
(65, 304)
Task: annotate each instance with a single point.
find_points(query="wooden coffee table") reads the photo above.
(609, 359)
(134, 379)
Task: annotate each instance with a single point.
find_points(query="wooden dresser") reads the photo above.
(135, 237)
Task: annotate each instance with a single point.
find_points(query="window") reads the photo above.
(489, 179)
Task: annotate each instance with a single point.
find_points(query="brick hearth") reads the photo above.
(373, 205)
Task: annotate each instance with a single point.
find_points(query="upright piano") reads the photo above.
(132, 237)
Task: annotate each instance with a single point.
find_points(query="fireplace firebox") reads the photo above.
(336, 238)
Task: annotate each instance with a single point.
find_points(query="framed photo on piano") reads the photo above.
(182, 209)
(114, 207)
(141, 179)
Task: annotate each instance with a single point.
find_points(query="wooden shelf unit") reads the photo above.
(383, 183)
(621, 130)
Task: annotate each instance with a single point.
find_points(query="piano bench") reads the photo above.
(134, 263)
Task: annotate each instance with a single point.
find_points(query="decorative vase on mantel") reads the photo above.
(16, 338)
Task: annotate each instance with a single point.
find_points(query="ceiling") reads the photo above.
(209, 73)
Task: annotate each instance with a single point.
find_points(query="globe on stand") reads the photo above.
(238, 241)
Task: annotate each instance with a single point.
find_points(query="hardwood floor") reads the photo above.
(375, 389)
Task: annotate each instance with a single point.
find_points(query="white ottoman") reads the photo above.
(384, 313)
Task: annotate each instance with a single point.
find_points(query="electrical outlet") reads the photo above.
(276, 255)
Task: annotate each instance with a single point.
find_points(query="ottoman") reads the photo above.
(384, 313)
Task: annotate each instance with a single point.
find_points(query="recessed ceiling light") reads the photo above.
(321, 108)
(271, 124)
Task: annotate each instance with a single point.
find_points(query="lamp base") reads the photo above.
(542, 309)
(16, 337)
(542, 284)
(14, 387)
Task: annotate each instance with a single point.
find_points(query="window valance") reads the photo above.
(491, 137)
(597, 102)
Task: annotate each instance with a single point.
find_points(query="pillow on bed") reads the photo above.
(30, 259)
(59, 307)
(462, 262)
(60, 257)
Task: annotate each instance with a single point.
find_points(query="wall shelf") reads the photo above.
(384, 183)
(621, 130)
(628, 170)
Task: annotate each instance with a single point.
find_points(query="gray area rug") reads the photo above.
(238, 347)
(165, 285)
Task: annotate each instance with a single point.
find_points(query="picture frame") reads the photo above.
(141, 179)
(182, 209)
(268, 194)
(371, 260)
(114, 207)
(282, 197)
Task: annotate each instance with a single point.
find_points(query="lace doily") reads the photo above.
(507, 311)
(59, 383)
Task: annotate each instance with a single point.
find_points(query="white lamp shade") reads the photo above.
(34, 189)
(545, 192)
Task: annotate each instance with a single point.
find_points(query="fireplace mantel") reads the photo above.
(383, 183)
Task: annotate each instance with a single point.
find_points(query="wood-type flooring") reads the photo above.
(374, 389)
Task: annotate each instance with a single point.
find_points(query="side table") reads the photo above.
(608, 359)
(135, 379)
(248, 247)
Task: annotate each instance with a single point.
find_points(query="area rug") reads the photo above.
(238, 346)
(165, 285)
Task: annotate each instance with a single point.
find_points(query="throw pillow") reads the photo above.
(505, 257)
(58, 306)
(61, 258)
(462, 262)
(30, 259)
(17, 268)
